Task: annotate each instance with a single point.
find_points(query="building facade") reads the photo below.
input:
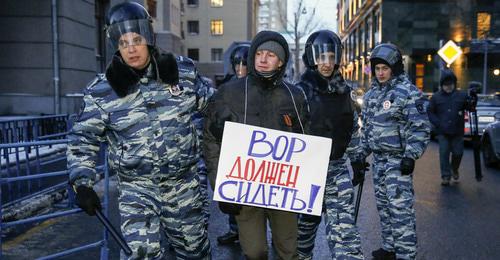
(210, 27)
(52, 49)
(272, 13)
(420, 28)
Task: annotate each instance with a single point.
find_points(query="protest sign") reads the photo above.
(272, 169)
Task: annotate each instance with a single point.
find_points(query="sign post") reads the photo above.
(450, 52)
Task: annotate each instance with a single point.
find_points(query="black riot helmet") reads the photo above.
(321, 47)
(239, 55)
(388, 54)
(125, 18)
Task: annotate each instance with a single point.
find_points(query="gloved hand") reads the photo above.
(359, 168)
(221, 116)
(87, 199)
(229, 208)
(120, 76)
(407, 166)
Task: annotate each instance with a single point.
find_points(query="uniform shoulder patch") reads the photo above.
(421, 105)
(186, 67)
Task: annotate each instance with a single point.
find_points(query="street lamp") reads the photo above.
(496, 72)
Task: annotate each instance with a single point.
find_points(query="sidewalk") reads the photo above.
(63, 233)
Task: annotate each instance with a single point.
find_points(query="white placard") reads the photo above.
(272, 169)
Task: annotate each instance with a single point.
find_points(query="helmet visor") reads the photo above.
(386, 53)
(130, 33)
(325, 54)
(240, 60)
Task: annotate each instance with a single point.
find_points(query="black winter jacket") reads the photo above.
(332, 110)
(255, 101)
(446, 112)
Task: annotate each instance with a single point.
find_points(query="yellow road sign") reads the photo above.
(450, 52)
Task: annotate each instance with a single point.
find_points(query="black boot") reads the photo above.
(382, 254)
(455, 164)
(228, 238)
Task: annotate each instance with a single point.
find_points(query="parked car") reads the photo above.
(490, 143)
(487, 106)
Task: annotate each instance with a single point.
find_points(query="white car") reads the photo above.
(487, 107)
(490, 143)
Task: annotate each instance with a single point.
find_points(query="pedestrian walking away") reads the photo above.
(142, 110)
(446, 113)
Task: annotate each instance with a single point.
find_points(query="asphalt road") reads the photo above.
(461, 221)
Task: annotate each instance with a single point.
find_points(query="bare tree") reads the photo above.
(302, 24)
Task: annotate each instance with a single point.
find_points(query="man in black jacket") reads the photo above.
(446, 113)
(333, 116)
(261, 99)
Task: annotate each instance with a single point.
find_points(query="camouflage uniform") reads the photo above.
(154, 149)
(197, 119)
(395, 126)
(338, 209)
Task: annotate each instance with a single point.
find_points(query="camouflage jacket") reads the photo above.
(147, 131)
(394, 119)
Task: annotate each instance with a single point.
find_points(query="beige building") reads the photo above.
(209, 27)
(166, 23)
(271, 15)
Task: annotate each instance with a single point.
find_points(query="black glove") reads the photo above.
(229, 208)
(217, 126)
(407, 166)
(359, 168)
(87, 199)
(120, 76)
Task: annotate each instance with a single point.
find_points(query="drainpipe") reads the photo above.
(55, 58)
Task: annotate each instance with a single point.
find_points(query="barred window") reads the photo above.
(194, 54)
(483, 25)
(217, 54)
(217, 27)
(193, 27)
(192, 2)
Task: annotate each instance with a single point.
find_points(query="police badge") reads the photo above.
(175, 90)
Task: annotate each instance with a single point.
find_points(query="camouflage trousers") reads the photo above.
(172, 206)
(338, 211)
(394, 198)
(203, 175)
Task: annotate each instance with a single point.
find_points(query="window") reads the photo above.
(151, 4)
(192, 3)
(376, 29)
(216, 27)
(419, 72)
(216, 3)
(483, 25)
(217, 54)
(194, 54)
(193, 27)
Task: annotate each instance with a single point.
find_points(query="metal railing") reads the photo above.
(33, 164)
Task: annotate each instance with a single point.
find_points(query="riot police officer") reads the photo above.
(239, 66)
(396, 130)
(333, 115)
(142, 109)
(238, 60)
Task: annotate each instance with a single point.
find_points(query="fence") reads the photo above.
(35, 165)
